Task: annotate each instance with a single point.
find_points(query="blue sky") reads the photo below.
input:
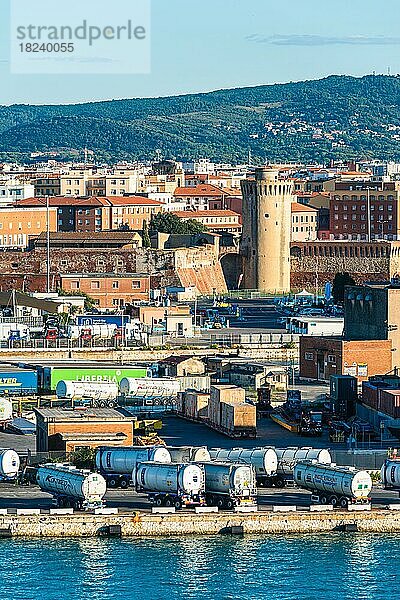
(213, 44)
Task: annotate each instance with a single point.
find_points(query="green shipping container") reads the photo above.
(111, 374)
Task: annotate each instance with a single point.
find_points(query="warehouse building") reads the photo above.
(62, 430)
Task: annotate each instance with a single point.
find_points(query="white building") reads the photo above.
(11, 190)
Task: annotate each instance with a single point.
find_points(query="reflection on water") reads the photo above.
(328, 567)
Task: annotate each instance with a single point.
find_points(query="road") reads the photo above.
(259, 316)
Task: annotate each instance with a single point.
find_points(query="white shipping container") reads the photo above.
(264, 460)
(9, 463)
(332, 479)
(169, 478)
(77, 390)
(72, 482)
(288, 457)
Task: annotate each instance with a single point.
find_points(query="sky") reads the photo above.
(213, 44)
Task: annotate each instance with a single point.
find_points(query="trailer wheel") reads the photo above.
(333, 500)
(343, 502)
(102, 404)
(124, 483)
(60, 502)
(112, 404)
(279, 482)
(323, 499)
(220, 503)
(76, 505)
(178, 503)
(229, 504)
(112, 482)
(168, 501)
(158, 501)
(210, 500)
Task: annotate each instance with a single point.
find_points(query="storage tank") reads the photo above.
(181, 454)
(124, 459)
(9, 463)
(230, 479)
(66, 480)
(186, 479)
(264, 460)
(332, 481)
(149, 387)
(288, 457)
(75, 390)
(390, 474)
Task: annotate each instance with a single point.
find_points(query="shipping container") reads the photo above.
(196, 405)
(16, 381)
(89, 320)
(52, 375)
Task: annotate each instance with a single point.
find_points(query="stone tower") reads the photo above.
(267, 223)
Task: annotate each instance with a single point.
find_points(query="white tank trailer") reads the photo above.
(187, 454)
(230, 484)
(149, 388)
(390, 474)
(71, 486)
(9, 463)
(264, 461)
(99, 393)
(170, 484)
(117, 464)
(288, 457)
(331, 484)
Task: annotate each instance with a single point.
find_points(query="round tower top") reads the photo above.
(267, 174)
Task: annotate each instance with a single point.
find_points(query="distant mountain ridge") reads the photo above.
(331, 118)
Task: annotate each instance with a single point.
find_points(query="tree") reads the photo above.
(145, 236)
(168, 222)
(339, 283)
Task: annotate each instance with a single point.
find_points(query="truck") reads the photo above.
(230, 484)
(9, 464)
(288, 457)
(149, 388)
(390, 474)
(116, 464)
(331, 484)
(97, 393)
(72, 487)
(170, 484)
(264, 461)
(181, 454)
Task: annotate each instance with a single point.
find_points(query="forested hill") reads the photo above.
(335, 117)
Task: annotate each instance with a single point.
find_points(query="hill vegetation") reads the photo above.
(332, 118)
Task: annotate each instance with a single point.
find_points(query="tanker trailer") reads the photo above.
(264, 461)
(390, 474)
(117, 463)
(170, 484)
(72, 487)
(9, 463)
(158, 390)
(331, 484)
(288, 457)
(97, 393)
(230, 484)
(186, 454)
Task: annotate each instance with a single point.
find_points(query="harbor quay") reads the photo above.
(137, 524)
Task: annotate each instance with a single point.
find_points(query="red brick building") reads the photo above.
(321, 357)
(365, 210)
(107, 289)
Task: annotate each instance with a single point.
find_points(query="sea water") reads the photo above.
(308, 567)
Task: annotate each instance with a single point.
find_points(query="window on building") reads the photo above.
(75, 284)
(115, 285)
(345, 207)
(381, 207)
(135, 284)
(309, 355)
(390, 207)
(331, 358)
(95, 285)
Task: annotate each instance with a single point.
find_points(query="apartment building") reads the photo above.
(109, 290)
(204, 196)
(365, 210)
(217, 221)
(12, 190)
(18, 224)
(98, 214)
(304, 223)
